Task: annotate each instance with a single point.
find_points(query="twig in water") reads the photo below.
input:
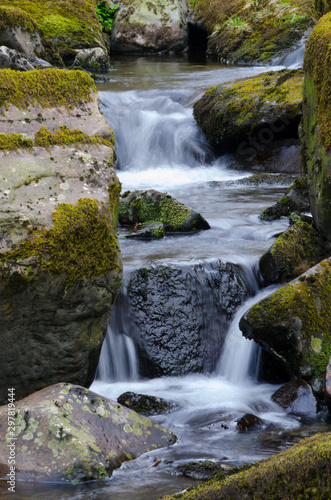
(157, 462)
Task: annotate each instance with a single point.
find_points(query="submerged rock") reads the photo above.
(315, 130)
(249, 422)
(68, 433)
(60, 265)
(302, 471)
(294, 321)
(296, 397)
(205, 469)
(149, 207)
(295, 251)
(249, 114)
(150, 26)
(179, 316)
(145, 405)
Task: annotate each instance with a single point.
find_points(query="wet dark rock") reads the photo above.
(249, 422)
(66, 433)
(296, 397)
(205, 469)
(295, 251)
(149, 207)
(145, 405)
(179, 316)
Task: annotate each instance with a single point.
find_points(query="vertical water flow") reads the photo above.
(240, 357)
(118, 359)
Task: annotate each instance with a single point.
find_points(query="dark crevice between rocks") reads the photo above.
(197, 42)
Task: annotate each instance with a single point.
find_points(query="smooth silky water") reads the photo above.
(148, 103)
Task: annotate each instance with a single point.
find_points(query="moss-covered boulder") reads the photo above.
(68, 433)
(249, 114)
(299, 248)
(150, 26)
(315, 131)
(146, 207)
(20, 32)
(303, 471)
(69, 25)
(252, 31)
(295, 322)
(295, 200)
(60, 265)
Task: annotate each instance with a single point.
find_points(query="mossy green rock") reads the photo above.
(144, 404)
(146, 207)
(150, 26)
(60, 265)
(251, 113)
(295, 322)
(69, 25)
(303, 471)
(253, 31)
(70, 434)
(299, 248)
(315, 131)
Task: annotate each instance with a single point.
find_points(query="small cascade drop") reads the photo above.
(240, 356)
(118, 359)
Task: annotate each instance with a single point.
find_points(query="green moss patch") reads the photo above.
(44, 138)
(48, 88)
(81, 244)
(13, 17)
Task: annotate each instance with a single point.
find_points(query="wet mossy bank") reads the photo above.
(303, 471)
(60, 263)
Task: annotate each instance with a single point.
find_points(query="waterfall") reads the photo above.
(118, 359)
(240, 356)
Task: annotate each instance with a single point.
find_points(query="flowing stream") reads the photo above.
(148, 103)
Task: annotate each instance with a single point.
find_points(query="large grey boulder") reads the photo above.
(67, 433)
(11, 59)
(150, 26)
(60, 265)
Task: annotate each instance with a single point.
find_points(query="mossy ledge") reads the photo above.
(44, 138)
(81, 244)
(13, 17)
(48, 88)
(301, 472)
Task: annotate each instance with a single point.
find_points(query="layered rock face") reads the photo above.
(315, 130)
(150, 26)
(68, 433)
(60, 264)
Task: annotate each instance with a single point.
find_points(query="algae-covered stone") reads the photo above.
(296, 250)
(295, 322)
(60, 264)
(68, 433)
(295, 200)
(249, 114)
(95, 60)
(315, 131)
(150, 26)
(155, 230)
(145, 207)
(252, 31)
(302, 471)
